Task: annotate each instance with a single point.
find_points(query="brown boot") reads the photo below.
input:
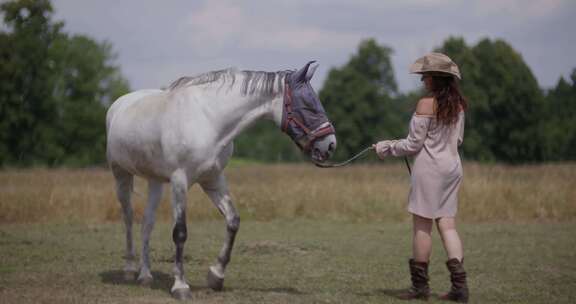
(459, 290)
(419, 277)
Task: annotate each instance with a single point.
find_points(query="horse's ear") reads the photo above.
(311, 71)
(300, 75)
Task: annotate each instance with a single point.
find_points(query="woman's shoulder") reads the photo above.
(426, 106)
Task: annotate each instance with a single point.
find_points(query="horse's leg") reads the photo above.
(154, 196)
(180, 290)
(217, 190)
(124, 183)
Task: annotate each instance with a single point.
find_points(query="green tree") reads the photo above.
(474, 146)
(505, 101)
(359, 98)
(559, 129)
(86, 82)
(28, 109)
(55, 88)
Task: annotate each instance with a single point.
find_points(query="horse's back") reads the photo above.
(126, 101)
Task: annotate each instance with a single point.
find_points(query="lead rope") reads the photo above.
(344, 163)
(407, 165)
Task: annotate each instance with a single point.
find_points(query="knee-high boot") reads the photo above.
(459, 290)
(419, 277)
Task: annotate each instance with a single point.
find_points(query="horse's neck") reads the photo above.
(251, 110)
(232, 113)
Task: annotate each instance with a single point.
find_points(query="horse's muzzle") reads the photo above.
(323, 148)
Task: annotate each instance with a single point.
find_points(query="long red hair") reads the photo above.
(449, 99)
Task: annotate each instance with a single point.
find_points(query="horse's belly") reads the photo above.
(147, 154)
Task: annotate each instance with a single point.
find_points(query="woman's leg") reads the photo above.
(450, 237)
(422, 239)
(459, 290)
(421, 247)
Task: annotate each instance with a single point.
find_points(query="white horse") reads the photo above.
(183, 135)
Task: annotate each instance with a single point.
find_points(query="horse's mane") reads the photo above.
(254, 82)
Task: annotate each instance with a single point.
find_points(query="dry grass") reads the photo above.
(265, 192)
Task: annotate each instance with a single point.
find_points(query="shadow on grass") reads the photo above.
(285, 290)
(392, 293)
(162, 281)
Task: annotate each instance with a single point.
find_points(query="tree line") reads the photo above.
(55, 88)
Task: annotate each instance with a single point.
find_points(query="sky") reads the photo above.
(158, 41)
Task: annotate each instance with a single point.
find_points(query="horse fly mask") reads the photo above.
(303, 119)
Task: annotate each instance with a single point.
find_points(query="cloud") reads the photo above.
(520, 9)
(216, 23)
(159, 41)
(223, 24)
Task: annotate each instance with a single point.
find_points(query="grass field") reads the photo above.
(295, 261)
(307, 236)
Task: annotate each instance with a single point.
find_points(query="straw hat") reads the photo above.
(435, 63)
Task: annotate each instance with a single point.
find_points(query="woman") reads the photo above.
(436, 131)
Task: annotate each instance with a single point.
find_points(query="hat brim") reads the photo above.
(437, 73)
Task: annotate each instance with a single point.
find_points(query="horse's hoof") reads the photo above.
(182, 294)
(215, 282)
(145, 281)
(130, 276)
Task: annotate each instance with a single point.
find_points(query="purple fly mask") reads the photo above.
(303, 117)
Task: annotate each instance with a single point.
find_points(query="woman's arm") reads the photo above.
(416, 135)
(414, 142)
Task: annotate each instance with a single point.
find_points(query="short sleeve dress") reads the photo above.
(437, 168)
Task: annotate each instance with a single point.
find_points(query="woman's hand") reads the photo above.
(382, 148)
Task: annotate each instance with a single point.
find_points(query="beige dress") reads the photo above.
(437, 169)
